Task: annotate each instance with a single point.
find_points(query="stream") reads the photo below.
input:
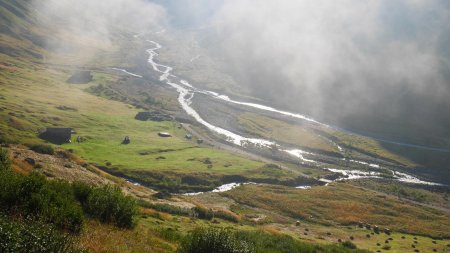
(187, 92)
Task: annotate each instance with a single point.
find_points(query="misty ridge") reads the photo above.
(377, 67)
(374, 66)
(94, 24)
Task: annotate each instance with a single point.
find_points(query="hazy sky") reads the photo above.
(342, 59)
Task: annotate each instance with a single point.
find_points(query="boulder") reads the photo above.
(153, 116)
(80, 77)
(30, 161)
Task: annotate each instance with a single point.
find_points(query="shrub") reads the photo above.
(42, 149)
(55, 203)
(51, 201)
(349, 244)
(110, 205)
(386, 247)
(5, 163)
(214, 240)
(32, 237)
(203, 213)
(82, 191)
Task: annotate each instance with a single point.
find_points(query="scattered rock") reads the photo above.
(30, 161)
(126, 140)
(80, 77)
(67, 165)
(153, 116)
(164, 134)
(328, 233)
(66, 108)
(297, 223)
(368, 236)
(207, 161)
(376, 229)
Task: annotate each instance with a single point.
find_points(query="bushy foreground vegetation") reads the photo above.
(107, 204)
(46, 209)
(60, 202)
(33, 237)
(223, 241)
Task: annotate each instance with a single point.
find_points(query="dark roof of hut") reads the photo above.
(57, 135)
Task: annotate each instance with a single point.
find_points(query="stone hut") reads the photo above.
(57, 135)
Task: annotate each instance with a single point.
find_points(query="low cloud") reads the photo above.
(341, 60)
(95, 24)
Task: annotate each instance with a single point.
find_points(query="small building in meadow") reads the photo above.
(164, 134)
(57, 135)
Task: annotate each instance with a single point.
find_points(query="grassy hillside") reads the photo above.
(34, 95)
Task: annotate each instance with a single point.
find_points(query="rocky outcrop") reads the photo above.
(80, 77)
(153, 116)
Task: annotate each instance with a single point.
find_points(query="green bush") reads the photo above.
(349, 244)
(82, 191)
(110, 205)
(203, 213)
(5, 163)
(214, 240)
(33, 237)
(42, 149)
(55, 203)
(61, 203)
(51, 201)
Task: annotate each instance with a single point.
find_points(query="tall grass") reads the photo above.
(5, 163)
(214, 240)
(225, 241)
